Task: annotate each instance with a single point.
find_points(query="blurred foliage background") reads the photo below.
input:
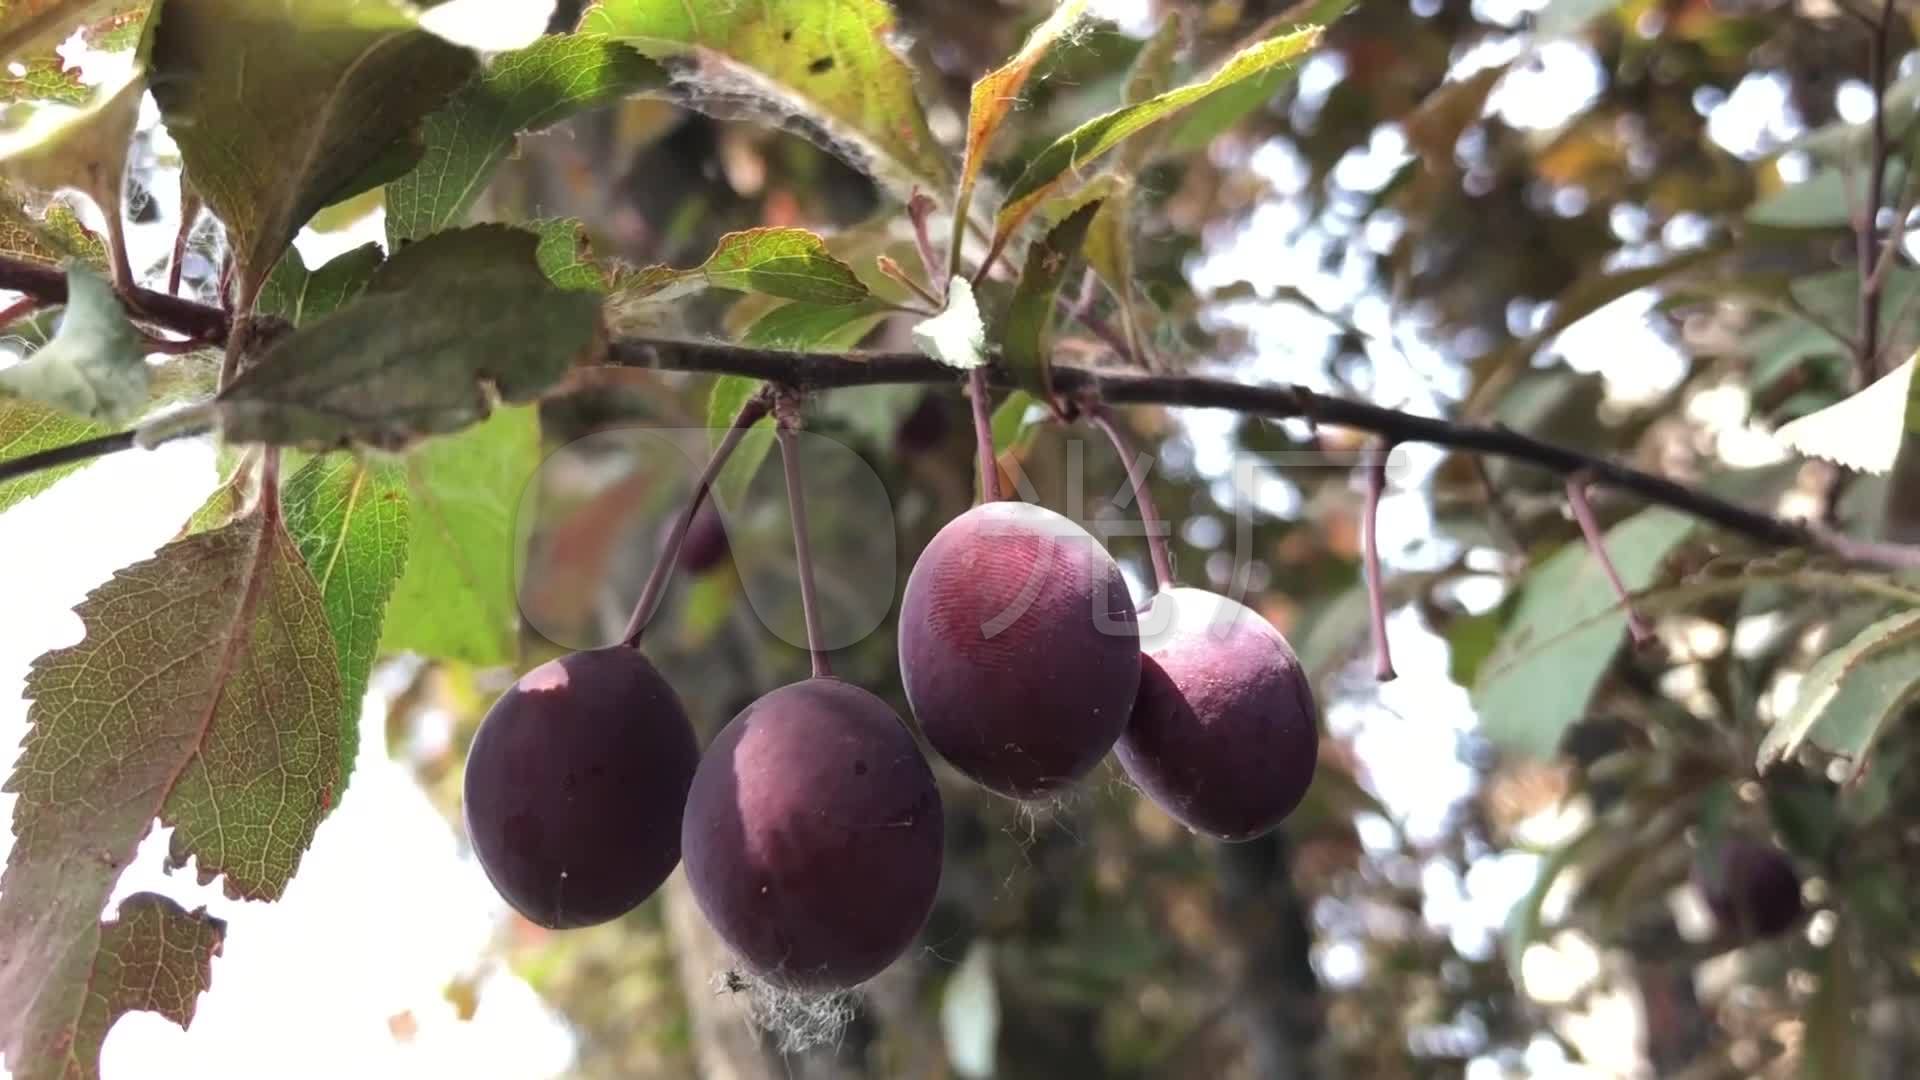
(1627, 227)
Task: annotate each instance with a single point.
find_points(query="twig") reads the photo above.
(920, 210)
(48, 284)
(1867, 357)
(899, 273)
(983, 436)
(70, 454)
(1150, 520)
(1376, 586)
(1597, 541)
(750, 413)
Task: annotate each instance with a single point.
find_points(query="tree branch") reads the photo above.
(1867, 358)
(827, 371)
(48, 284)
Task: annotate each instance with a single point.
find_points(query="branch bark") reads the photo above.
(48, 284)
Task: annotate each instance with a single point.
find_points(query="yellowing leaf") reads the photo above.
(30, 24)
(831, 62)
(50, 237)
(94, 366)
(955, 337)
(1861, 432)
(792, 264)
(281, 108)
(205, 694)
(1069, 155)
(444, 326)
(994, 97)
(27, 428)
(80, 148)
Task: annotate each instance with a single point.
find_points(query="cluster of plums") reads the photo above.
(812, 827)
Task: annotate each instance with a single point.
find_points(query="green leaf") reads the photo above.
(724, 401)
(815, 327)
(154, 957)
(27, 428)
(829, 62)
(1821, 201)
(1026, 335)
(280, 108)
(1524, 921)
(50, 238)
(1218, 113)
(43, 76)
(1069, 155)
(1850, 693)
(80, 148)
(348, 516)
(956, 337)
(204, 694)
(300, 296)
(994, 96)
(442, 324)
(456, 599)
(1862, 432)
(1564, 634)
(792, 264)
(94, 367)
(35, 24)
(566, 257)
(1013, 419)
(521, 91)
(1562, 18)
(1833, 1031)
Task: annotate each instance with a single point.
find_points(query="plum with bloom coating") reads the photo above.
(1225, 734)
(1751, 888)
(1019, 648)
(575, 785)
(813, 836)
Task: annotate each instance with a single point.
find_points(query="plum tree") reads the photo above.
(575, 785)
(1224, 734)
(813, 836)
(1019, 648)
(1751, 888)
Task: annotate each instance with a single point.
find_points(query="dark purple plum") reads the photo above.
(925, 427)
(1225, 734)
(813, 836)
(705, 546)
(1751, 888)
(1019, 648)
(575, 785)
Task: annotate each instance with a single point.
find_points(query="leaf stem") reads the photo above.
(920, 211)
(1150, 520)
(1376, 585)
(1867, 359)
(899, 274)
(651, 593)
(72, 453)
(983, 435)
(1596, 540)
(786, 425)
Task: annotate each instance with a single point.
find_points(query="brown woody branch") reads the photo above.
(48, 284)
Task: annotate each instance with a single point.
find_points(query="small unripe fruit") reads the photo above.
(1019, 648)
(575, 785)
(705, 545)
(1751, 888)
(813, 836)
(1224, 734)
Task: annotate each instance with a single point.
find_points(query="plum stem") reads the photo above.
(1376, 593)
(1597, 541)
(983, 435)
(755, 407)
(789, 421)
(1150, 520)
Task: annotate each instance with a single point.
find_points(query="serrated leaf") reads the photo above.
(155, 956)
(808, 327)
(1861, 432)
(956, 337)
(31, 24)
(50, 238)
(1025, 338)
(444, 325)
(279, 109)
(1069, 155)
(77, 148)
(27, 428)
(792, 264)
(94, 367)
(525, 90)
(994, 96)
(724, 401)
(830, 62)
(566, 257)
(204, 694)
(1850, 693)
(43, 76)
(1565, 631)
(1219, 113)
(300, 295)
(348, 516)
(455, 601)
